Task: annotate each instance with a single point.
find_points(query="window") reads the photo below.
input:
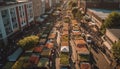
(8, 30)
(15, 26)
(4, 13)
(23, 14)
(20, 8)
(0, 34)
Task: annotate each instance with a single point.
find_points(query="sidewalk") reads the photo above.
(57, 60)
(76, 65)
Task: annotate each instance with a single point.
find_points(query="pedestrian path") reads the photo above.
(57, 63)
(74, 55)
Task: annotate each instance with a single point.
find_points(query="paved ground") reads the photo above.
(57, 63)
(74, 55)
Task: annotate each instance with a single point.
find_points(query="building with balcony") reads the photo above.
(13, 17)
(111, 36)
(37, 7)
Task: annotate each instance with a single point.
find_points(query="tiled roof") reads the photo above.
(115, 32)
(34, 59)
(80, 41)
(49, 45)
(82, 50)
(85, 66)
(37, 49)
(52, 35)
(64, 43)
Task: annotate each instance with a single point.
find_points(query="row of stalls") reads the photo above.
(40, 56)
(44, 17)
(64, 46)
(83, 54)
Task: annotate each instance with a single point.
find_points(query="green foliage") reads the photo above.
(28, 42)
(74, 11)
(74, 4)
(70, 3)
(79, 15)
(8, 65)
(84, 57)
(64, 59)
(113, 20)
(65, 38)
(116, 50)
(67, 20)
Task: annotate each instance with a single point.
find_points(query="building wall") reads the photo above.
(43, 6)
(13, 18)
(37, 8)
(22, 16)
(47, 4)
(29, 12)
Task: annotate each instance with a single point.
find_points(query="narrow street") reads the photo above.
(74, 55)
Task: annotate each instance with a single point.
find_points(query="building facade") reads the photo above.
(37, 8)
(111, 36)
(14, 17)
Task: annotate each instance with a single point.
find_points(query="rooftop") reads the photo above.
(52, 35)
(43, 62)
(64, 43)
(74, 21)
(65, 33)
(115, 32)
(80, 42)
(82, 50)
(102, 13)
(49, 45)
(85, 66)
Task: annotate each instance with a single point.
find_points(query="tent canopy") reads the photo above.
(64, 49)
(15, 55)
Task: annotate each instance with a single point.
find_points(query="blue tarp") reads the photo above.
(15, 55)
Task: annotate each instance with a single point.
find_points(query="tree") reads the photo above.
(112, 21)
(74, 11)
(28, 42)
(74, 4)
(116, 51)
(79, 15)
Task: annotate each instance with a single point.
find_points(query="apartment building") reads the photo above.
(43, 6)
(13, 17)
(111, 36)
(37, 7)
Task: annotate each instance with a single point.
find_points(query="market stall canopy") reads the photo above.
(43, 62)
(39, 19)
(38, 49)
(15, 55)
(49, 45)
(46, 53)
(34, 59)
(64, 49)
